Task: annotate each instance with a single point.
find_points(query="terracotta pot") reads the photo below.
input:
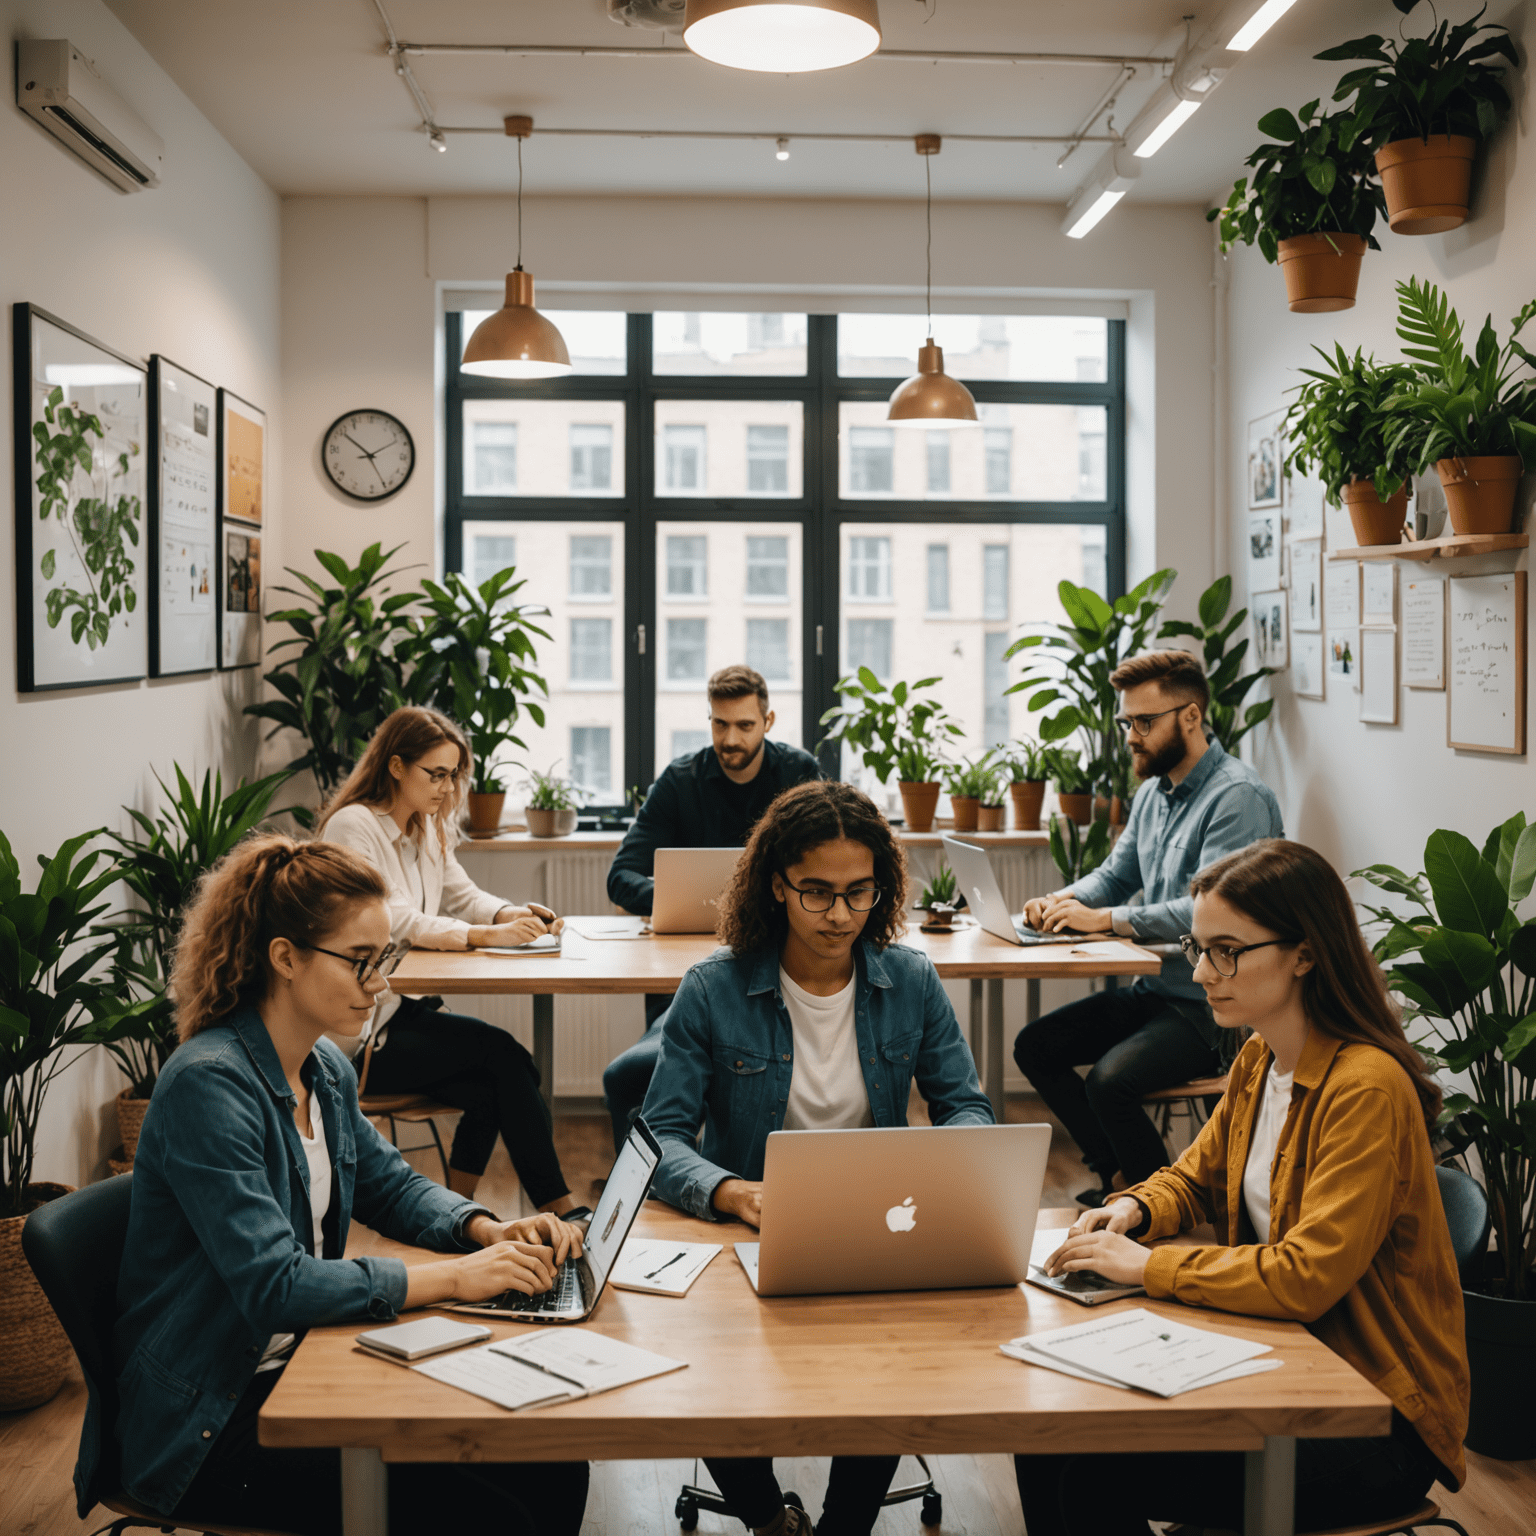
(1116, 811)
(1028, 796)
(1428, 182)
(549, 823)
(1480, 492)
(966, 810)
(1078, 808)
(1376, 521)
(1322, 272)
(130, 1118)
(989, 818)
(485, 811)
(34, 1352)
(918, 804)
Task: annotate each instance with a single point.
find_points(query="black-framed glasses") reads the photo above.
(439, 775)
(1139, 725)
(363, 968)
(862, 898)
(1223, 957)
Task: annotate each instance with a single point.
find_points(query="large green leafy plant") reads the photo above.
(1315, 179)
(1229, 684)
(1336, 428)
(1078, 853)
(893, 730)
(1472, 982)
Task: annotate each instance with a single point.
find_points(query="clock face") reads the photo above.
(368, 454)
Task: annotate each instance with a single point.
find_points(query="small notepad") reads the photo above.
(660, 1265)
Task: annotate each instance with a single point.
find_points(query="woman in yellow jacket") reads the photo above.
(1317, 1173)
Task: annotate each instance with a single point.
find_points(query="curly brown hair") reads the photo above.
(800, 819)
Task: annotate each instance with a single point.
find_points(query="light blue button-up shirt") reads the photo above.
(1174, 831)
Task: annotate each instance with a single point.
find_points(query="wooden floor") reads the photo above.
(635, 1498)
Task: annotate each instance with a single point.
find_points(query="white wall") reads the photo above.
(190, 270)
(1369, 793)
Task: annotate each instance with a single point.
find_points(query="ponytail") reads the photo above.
(268, 887)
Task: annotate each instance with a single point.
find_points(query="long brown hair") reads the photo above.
(409, 734)
(800, 819)
(268, 887)
(1295, 893)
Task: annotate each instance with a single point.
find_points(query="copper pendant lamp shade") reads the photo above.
(517, 342)
(783, 37)
(930, 398)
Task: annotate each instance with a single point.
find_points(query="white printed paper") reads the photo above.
(1306, 585)
(1378, 676)
(1424, 632)
(1341, 594)
(1378, 600)
(661, 1265)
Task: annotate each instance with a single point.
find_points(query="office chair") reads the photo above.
(694, 1498)
(412, 1108)
(1190, 1097)
(75, 1247)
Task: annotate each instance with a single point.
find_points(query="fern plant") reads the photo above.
(1223, 668)
(1337, 426)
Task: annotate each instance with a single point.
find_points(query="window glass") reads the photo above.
(938, 578)
(768, 460)
(869, 568)
(1045, 348)
(994, 581)
(686, 743)
(591, 566)
(686, 650)
(687, 565)
(527, 447)
(591, 651)
(598, 340)
(723, 345)
(1013, 453)
(493, 553)
(682, 459)
(768, 648)
(731, 448)
(994, 688)
(767, 567)
(870, 645)
(592, 762)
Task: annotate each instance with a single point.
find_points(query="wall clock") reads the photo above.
(368, 454)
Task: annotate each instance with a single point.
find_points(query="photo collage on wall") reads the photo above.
(242, 446)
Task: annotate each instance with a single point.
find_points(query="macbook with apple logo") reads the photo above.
(908, 1208)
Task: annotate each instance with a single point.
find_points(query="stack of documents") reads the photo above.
(662, 1266)
(534, 1370)
(545, 944)
(1137, 1348)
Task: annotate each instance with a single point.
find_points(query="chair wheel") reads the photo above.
(933, 1509)
(687, 1512)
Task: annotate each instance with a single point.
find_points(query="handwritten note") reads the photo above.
(1487, 678)
(1378, 603)
(1306, 557)
(1424, 632)
(1341, 595)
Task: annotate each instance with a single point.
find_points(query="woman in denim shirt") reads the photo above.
(812, 1018)
(252, 1161)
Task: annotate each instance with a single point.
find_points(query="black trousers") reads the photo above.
(1136, 1040)
(482, 1070)
(244, 1483)
(1338, 1482)
(851, 1507)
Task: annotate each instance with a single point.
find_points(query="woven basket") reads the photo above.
(130, 1119)
(34, 1352)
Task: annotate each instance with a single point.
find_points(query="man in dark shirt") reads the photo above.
(711, 799)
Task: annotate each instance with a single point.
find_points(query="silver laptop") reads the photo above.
(579, 1282)
(689, 885)
(984, 898)
(893, 1225)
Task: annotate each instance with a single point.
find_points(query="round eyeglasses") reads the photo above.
(1139, 725)
(363, 968)
(438, 776)
(862, 898)
(1223, 957)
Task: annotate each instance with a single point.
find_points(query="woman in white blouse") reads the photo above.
(399, 809)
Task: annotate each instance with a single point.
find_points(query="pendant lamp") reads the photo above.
(517, 342)
(930, 398)
(782, 37)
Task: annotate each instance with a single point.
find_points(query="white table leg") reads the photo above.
(1269, 1492)
(544, 1043)
(364, 1492)
(995, 1047)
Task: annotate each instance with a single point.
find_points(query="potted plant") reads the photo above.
(551, 807)
(1468, 415)
(1474, 983)
(1078, 853)
(1028, 770)
(1310, 204)
(1423, 106)
(940, 897)
(1336, 430)
(990, 814)
(1228, 722)
(1074, 786)
(473, 650)
(895, 731)
(968, 785)
(52, 997)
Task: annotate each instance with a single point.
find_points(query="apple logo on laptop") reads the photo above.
(976, 892)
(903, 1217)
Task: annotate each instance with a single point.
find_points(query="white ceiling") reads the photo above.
(306, 93)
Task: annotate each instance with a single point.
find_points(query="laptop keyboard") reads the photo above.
(563, 1296)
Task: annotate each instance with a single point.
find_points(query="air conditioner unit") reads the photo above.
(59, 86)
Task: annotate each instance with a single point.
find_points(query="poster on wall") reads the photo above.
(82, 425)
(1264, 461)
(1341, 593)
(1424, 632)
(1268, 614)
(240, 598)
(183, 628)
(1307, 665)
(1306, 587)
(242, 459)
(1344, 655)
(1304, 507)
(1263, 550)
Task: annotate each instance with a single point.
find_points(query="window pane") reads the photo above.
(686, 743)
(727, 593)
(938, 578)
(1013, 453)
(523, 447)
(994, 688)
(869, 645)
(869, 568)
(1053, 348)
(570, 568)
(994, 581)
(729, 447)
(750, 345)
(598, 340)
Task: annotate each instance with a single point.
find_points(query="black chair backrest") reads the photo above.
(1468, 1214)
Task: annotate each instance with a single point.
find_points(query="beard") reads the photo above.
(737, 758)
(1153, 765)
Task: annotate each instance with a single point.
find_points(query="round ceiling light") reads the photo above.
(517, 342)
(783, 37)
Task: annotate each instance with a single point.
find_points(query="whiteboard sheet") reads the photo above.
(1378, 676)
(1485, 707)
(1306, 585)
(1424, 632)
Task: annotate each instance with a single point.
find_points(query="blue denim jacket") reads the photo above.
(728, 1053)
(219, 1250)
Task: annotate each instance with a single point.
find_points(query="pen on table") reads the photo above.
(670, 1262)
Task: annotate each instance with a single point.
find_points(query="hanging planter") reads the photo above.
(1427, 182)
(1375, 521)
(1322, 272)
(1480, 491)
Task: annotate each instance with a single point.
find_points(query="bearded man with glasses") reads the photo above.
(1200, 806)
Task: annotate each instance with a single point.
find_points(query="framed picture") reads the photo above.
(242, 459)
(1269, 613)
(240, 598)
(1263, 550)
(1307, 679)
(82, 582)
(1265, 461)
(183, 471)
(1378, 676)
(1485, 702)
(1306, 589)
(1343, 653)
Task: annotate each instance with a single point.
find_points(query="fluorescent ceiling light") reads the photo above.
(1258, 24)
(1180, 114)
(1093, 213)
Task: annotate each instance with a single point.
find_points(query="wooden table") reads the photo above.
(657, 964)
(818, 1375)
(520, 840)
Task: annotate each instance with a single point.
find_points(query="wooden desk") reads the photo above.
(814, 1376)
(657, 964)
(519, 840)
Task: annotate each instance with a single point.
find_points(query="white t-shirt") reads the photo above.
(317, 1155)
(1267, 1125)
(826, 1091)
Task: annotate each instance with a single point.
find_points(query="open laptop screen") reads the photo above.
(622, 1196)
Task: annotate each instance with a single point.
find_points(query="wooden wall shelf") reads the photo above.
(1444, 549)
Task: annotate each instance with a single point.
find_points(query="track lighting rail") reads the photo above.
(772, 134)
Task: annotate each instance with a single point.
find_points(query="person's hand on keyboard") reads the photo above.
(563, 1238)
(1097, 1243)
(525, 1267)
